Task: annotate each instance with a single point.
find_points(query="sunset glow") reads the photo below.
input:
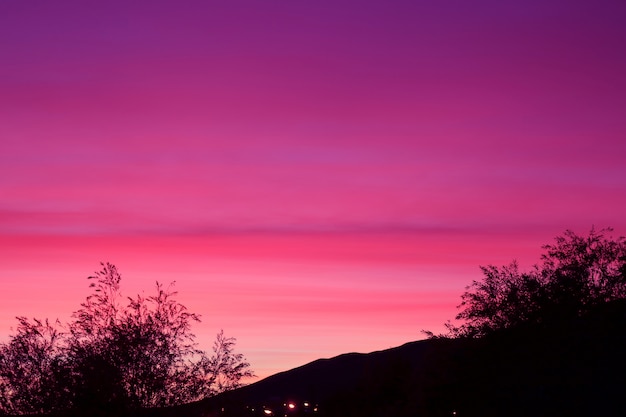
(317, 177)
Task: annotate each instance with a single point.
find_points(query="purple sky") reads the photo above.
(343, 151)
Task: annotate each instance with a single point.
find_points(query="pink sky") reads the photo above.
(318, 177)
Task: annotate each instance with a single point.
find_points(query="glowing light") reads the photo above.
(268, 412)
(291, 406)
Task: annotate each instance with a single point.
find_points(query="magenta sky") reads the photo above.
(317, 176)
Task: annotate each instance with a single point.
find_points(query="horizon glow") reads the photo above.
(317, 178)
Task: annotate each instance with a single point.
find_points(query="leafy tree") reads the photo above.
(576, 274)
(27, 367)
(225, 369)
(115, 356)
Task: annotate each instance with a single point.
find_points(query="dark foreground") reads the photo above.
(569, 368)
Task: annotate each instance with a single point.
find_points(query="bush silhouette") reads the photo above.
(114, 356)
(576, 275)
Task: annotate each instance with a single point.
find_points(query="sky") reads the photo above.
(317, 177)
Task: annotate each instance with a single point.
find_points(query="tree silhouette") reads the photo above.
(225, 369)
(114, 356)
(28, 366)
(576, 274)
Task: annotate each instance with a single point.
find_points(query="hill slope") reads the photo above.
(575, 367)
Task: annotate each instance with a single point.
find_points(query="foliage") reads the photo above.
(114, 356)
(576, 274)
(27, 367)
(225, 369)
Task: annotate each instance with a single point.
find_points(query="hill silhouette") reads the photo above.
(573, 367)
(546, 342)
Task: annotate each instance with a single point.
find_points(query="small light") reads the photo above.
(267, 412)
(306, 404)
(291, 406)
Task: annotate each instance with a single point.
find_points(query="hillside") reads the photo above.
(569, 368)
(328, 381)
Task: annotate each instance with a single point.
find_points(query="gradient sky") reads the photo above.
(317, 176)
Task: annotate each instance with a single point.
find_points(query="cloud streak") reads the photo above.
(322, 159)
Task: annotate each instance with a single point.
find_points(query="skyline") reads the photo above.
(317, 178)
